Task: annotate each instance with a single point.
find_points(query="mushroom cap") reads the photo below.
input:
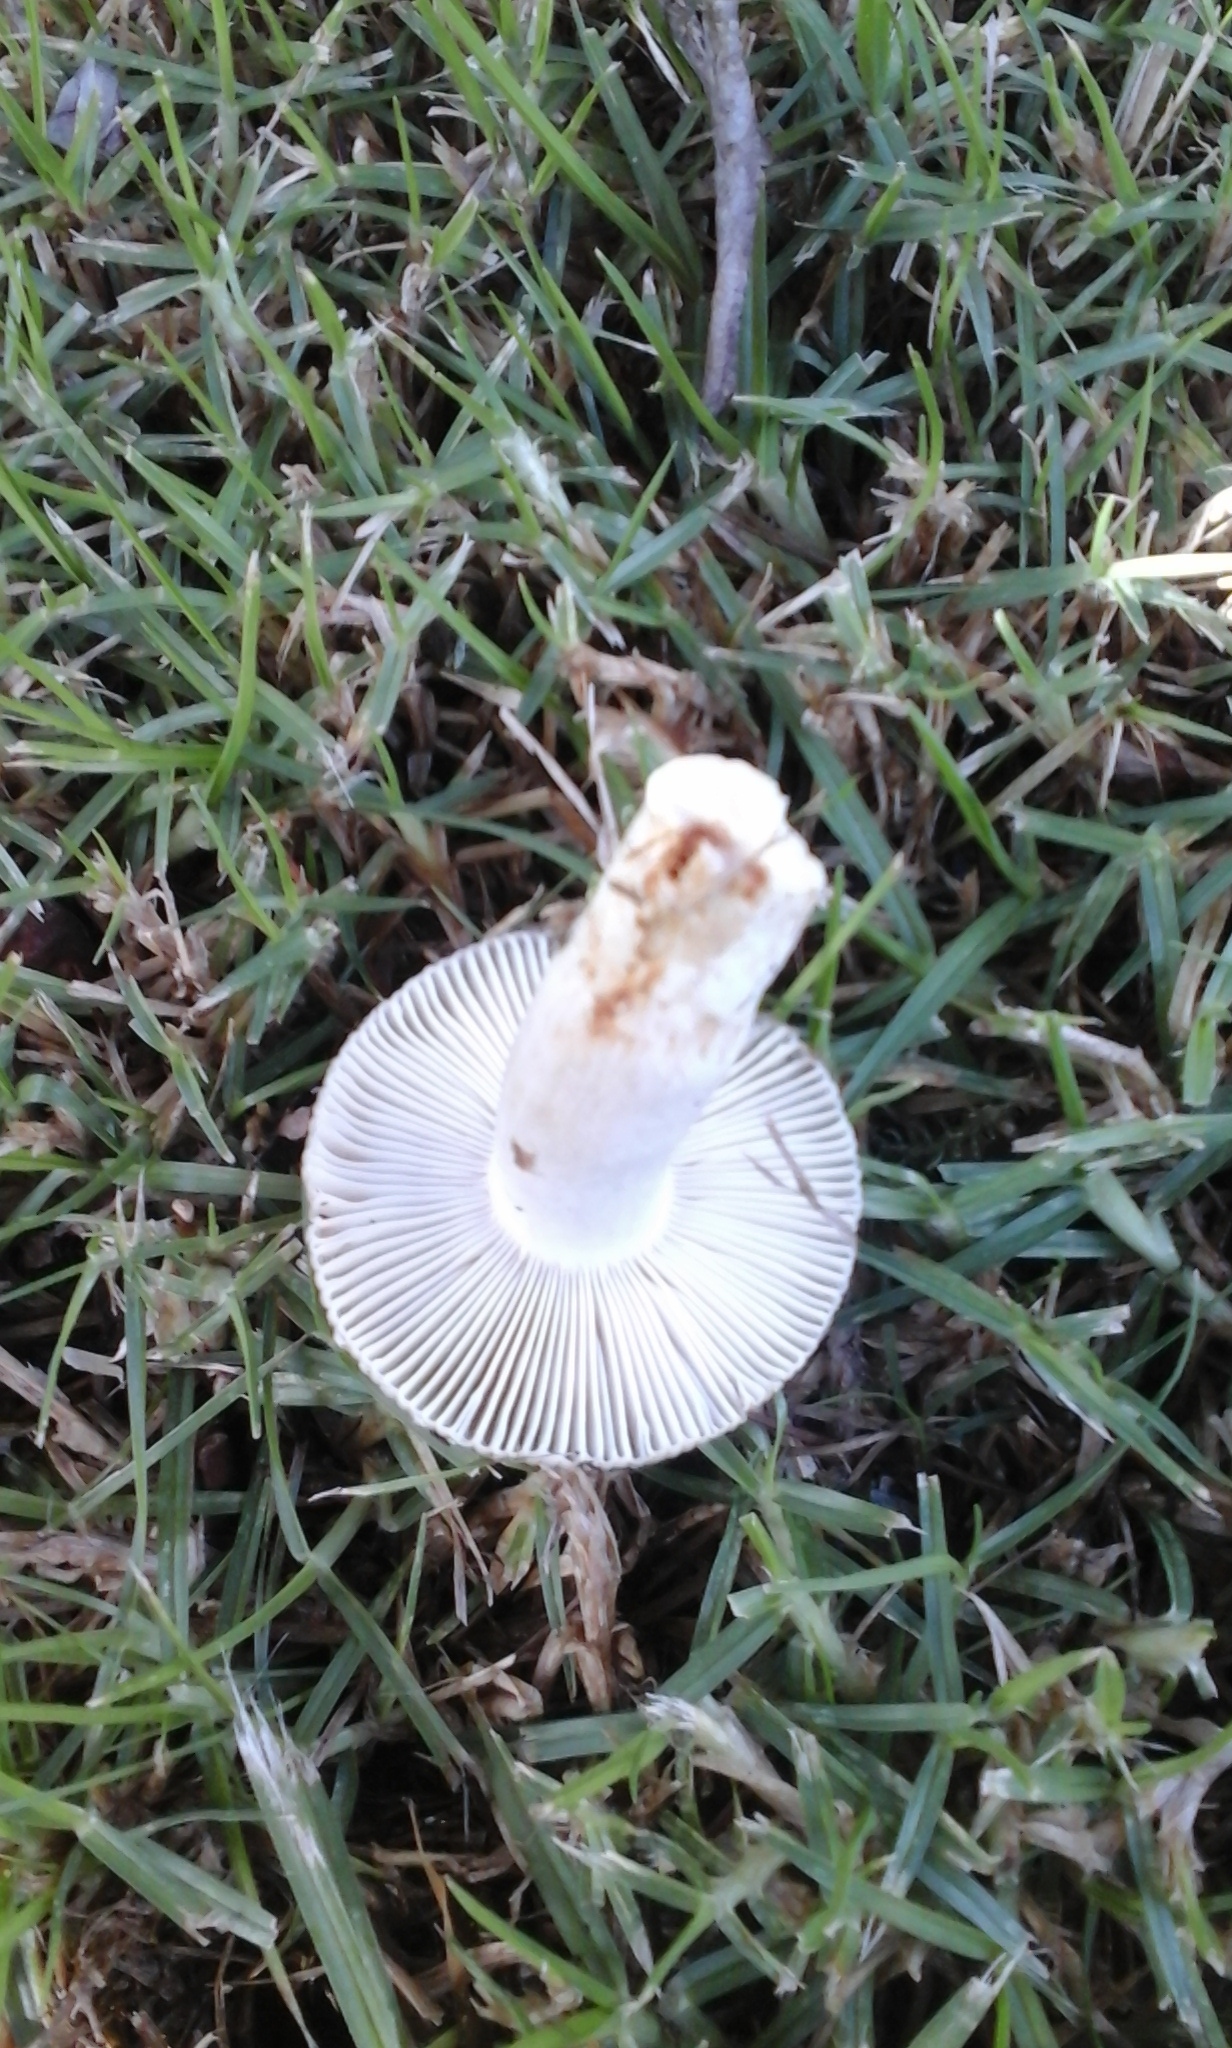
(612, 1364)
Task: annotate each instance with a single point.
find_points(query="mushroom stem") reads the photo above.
(643, 1013)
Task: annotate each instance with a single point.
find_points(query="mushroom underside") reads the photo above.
(475, 1338)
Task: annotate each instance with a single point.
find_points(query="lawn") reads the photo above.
(364, 542)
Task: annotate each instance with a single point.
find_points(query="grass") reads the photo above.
(363, 536)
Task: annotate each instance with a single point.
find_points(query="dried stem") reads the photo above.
(737, 190)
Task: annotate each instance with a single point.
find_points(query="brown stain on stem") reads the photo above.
(663, 918)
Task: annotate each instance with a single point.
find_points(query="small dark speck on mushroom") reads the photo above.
(522, 1158)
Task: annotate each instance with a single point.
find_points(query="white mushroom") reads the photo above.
(586, 1206)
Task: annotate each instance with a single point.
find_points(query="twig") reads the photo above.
(737, 191)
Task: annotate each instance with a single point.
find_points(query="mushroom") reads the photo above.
(583, 1206)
